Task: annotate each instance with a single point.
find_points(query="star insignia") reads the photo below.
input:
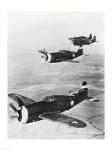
(74, 122)
(72, 102)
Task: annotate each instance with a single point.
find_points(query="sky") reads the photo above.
(31, 31)
(28, 76)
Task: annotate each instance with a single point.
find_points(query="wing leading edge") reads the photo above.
(70, 121)
(21, 100)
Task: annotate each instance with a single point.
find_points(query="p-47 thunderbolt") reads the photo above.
(61, 55)
(82, 40)
(50, 108)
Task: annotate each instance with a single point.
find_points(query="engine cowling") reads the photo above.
(24, 115)
(49, 58)
(30, 113)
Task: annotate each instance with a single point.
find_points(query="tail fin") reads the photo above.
(83, 89)
(79, 52)
(94, 39)
(90, 36)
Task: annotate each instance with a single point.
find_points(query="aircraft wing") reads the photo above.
(21, 100)
(57, 117)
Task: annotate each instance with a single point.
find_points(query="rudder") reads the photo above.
(79, 52)
(90, 36)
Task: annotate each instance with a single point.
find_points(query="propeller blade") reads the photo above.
(13, 107)
(12, 117)
(18, 98)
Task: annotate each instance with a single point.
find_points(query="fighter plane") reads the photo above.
(82, 40)
(61, 55)
(50, 108)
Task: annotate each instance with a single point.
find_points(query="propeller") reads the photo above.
(95, 99)
(13, 107)
(44, 53)
(16, 111)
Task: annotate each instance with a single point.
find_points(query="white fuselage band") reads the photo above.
(24, 112)
(83, 87)
(49, 58)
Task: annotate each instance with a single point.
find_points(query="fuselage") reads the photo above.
(62, 55)
(54, 103)
(80, 41)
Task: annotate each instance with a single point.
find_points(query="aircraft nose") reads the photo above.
(72, 39)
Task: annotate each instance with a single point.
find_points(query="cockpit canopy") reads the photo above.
(63, 51)
(49, 99)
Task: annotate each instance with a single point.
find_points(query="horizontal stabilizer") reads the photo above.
(92, 99)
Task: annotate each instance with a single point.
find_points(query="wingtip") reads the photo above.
(11, 95)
